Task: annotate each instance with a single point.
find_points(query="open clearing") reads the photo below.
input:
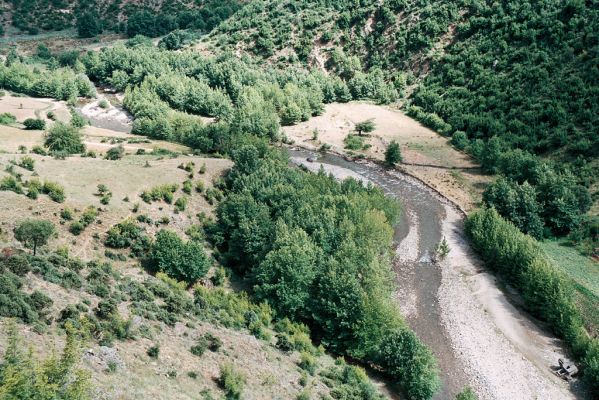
(24, 107)
(426, 155)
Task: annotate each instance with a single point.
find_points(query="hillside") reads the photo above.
(152, 18)
(513, 85)
(121, 311)
(153, 221)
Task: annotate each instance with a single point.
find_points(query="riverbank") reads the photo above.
(456, 307)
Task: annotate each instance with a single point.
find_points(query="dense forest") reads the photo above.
(511, 83)
(92, 17)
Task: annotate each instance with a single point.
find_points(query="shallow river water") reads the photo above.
(416, 236)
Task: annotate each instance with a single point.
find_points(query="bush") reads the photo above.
(353, 142)
(7, 119)
(123, 235)
(231, 382)
(406, 359)
(466, 394)
(56, 377)
(54, 191)
(180, 204)
(183, 261)
(393, 154)
(64, 138)
(153, 351)
(27, 162)
(76, 228)
(307, 362)
(39, 150)
(459, 140)
(115, 153)
(157, 193)
(34, 124)
(10, 184)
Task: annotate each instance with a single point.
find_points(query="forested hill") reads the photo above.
(149, 17)
(512, 82)
(521, 70)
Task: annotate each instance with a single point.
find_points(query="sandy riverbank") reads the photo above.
(506, 355)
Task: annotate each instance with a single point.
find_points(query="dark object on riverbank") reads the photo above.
(566, 370)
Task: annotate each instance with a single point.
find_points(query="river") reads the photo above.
(478, 336)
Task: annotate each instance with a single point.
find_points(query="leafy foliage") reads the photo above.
(183, 261)
(547, 294)
(34, 233)
(317, 251)
(55, 377)
(64, 138)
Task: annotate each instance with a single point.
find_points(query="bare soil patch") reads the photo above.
(427, 155)
(24, 107)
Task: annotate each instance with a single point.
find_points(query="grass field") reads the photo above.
(584, 272)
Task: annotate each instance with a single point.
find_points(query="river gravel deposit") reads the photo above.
(456, 307)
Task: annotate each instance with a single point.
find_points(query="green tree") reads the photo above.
(89, 24)
(183, 261)
(285, 277)
(365, 126)
(24, 377)
(405, 358)
(64, 138)
(393, 154)
(34, 233)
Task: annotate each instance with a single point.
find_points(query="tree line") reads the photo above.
(547, 294)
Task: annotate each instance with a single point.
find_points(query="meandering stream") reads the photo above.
(455, 307)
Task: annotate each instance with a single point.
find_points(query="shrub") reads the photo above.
(153, 351)
(157, 193)
(34, 124)
(187, 187)
(459, 140)
(466, 394)
(180, 204)
(64, 138)
(27, 162)
(307, 362)
(353, 142)
(407, 360)
(39, 150)
(231, 382)
(104, 104)
(54, 191)
(199, 348)
(183, 261)
(123, 235)
(9, 183)
(77, 120)
(22, 376)
(393, 154)
(7, 119)
(76, 228)
(115, 153)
